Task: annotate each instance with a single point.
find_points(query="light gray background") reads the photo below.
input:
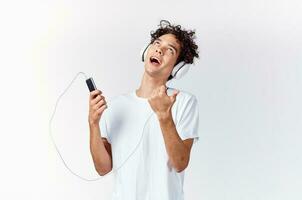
(247, 81)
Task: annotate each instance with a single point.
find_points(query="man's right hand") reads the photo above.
(97, 104)
(99, 147)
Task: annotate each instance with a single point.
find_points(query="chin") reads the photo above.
(151, 72)
(154, 67)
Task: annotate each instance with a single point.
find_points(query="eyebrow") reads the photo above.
(168, 44)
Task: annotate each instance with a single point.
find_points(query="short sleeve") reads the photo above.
(104, 127)
(188, 122)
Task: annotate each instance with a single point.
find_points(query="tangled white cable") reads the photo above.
(57, 149)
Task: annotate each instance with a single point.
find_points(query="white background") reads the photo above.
(247, 81)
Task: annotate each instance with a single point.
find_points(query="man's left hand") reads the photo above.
(160, 102)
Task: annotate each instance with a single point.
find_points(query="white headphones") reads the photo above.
(178, 71)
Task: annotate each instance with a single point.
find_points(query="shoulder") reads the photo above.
(186, 102)
(183, 96)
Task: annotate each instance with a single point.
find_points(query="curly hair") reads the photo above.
(188, 48)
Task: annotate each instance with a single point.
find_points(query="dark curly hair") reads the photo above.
(188, 48)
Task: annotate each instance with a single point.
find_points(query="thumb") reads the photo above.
(173, 96)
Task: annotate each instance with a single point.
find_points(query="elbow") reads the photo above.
(179, 169)
(181, 166)
(102, 171)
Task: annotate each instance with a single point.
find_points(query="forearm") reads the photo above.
(100, 156)
(177, 151)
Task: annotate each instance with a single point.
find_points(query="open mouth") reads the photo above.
(155, 61)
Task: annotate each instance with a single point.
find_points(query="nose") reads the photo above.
(158, 50)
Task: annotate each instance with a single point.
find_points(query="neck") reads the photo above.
(148, 84)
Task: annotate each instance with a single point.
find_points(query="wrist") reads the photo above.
(93, 124)
(164, 116)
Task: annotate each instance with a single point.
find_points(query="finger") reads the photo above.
(99, 104)
(97, 99)
(94, 93)
(173, 96)
(175, 92)
(101, 109)
(162, 90)
(154, 92)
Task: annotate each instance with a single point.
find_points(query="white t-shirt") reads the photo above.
(146, 174)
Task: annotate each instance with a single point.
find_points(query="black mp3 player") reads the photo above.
(90, 84)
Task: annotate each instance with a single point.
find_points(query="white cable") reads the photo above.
(57, 149)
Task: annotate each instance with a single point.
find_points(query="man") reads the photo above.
(155, 170)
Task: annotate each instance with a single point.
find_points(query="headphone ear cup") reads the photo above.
(180, 70)
(144, 51)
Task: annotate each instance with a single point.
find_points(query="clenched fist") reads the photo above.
(97, 105)
(160, 102)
